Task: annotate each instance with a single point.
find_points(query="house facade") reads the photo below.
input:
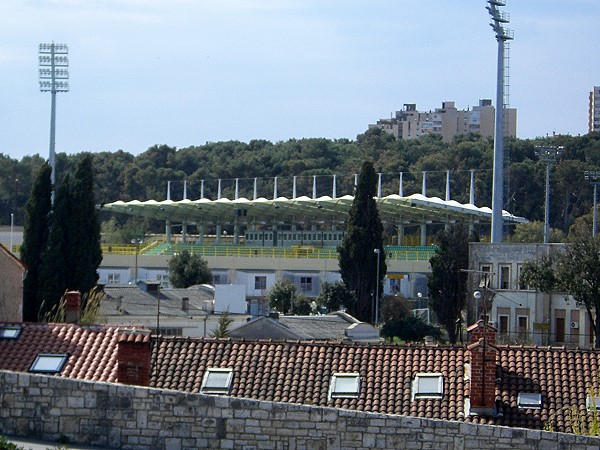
(12, 273)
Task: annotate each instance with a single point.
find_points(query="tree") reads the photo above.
(410, 329)
(222, 330)
(394, 308)
(35, 238)
(336, 295)
(73, 254)
(357, 259)
(533, 232)
(284, 298)
(447, 283)
(187, 270)
(576, 271)
(579, 274)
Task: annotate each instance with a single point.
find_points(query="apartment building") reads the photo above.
(594, 112)
(448, 121)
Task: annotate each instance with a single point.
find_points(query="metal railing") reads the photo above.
(398, 253)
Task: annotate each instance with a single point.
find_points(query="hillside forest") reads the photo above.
(122, 176)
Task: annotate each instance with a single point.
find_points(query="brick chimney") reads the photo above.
(133, 357)
(483, 368)
(72, 306)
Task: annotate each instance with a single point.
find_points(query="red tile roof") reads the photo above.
(92, 350)
(300, 372)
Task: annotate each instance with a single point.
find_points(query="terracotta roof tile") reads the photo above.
(91, 349)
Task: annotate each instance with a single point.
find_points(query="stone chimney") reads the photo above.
(483, 368)
(72, 306)
(133, 357)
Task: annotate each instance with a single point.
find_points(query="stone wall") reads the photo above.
(119, 416)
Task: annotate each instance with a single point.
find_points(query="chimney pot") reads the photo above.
(72, 306)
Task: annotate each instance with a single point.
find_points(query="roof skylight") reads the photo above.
(216, 381)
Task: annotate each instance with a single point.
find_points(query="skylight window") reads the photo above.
(49, 363)
(216, 381)
(529, 400)
(428, 385)
(10, 332)
(344, 385)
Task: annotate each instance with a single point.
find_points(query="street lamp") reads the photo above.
(54, 77)
(547, 154)
(593, 177)
(377, 251)
(137, 243)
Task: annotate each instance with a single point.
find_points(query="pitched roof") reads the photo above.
(91, 350)
(131, 300)
(334, 326)
(300, 372)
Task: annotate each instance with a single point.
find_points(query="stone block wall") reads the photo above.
(129, 417)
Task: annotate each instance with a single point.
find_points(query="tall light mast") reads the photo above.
(54, 77)
(502, 35)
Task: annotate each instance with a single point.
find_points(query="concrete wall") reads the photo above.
(119, 416)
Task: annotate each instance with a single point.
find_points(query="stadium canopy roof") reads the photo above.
(414, 209)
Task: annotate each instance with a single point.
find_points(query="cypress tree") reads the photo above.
(85, 254)
(35, 237)
(364, 234)
(56, 270)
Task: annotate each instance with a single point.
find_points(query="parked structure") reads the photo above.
(447, 121)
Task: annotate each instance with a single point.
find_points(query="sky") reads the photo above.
(186, 72)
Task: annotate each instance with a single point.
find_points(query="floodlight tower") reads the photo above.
(54, 77)
(502, 35)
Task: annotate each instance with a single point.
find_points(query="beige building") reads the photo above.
(594, 112)
(447, 121)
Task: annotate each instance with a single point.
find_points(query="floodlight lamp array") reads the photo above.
(548, 152)
(593, 176)
(498, 18)
(53, 48)
(57, 86)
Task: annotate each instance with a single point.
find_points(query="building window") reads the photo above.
(10, 332)
(428, 385)
(164, 281)
(216, 381)
(529, 400)
(522, 326)
(344, 385)
(260, 282)
(49, 363)
(504, 277)
(114, 278)
(484, 275)
(306, 284)
(521, 286)
(219, 279)
(503, 324)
